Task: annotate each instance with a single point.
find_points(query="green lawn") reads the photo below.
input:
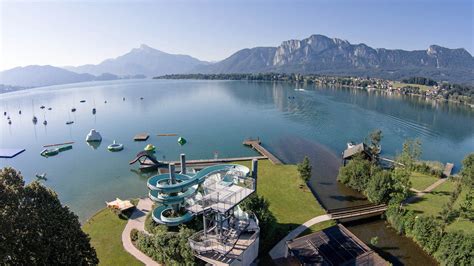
(432, 204)
(291, 201)
(105, 229)
(421, 181)
(280, 185)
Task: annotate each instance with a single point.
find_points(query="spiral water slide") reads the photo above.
(171, 191)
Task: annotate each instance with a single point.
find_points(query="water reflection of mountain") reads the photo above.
(420, 116)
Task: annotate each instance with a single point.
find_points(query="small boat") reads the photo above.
(8, 117)
(123, 98)
(105, 101)
(42, 107)
(50, 108)
(9, 122)
(41, 176)
(93, 136)
(141, 98)
(181, 141)
(4, 113)
(35, 120)
(82, 101)
(94, 111)
(19, 112)
(115, 146)
(150, 148)
(49, 152)
(73, 109)
(65, 148)
(45, 122)
(69, 122)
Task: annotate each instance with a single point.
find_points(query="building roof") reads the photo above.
(333, 246)
(356, 149)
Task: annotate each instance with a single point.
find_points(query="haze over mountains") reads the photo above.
(316, 54)
(142, 61)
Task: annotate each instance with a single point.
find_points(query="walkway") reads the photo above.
(278, 251)
(427, 190)
(256, 144)
(137, 221)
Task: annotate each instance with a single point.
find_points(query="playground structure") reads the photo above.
(230, 235)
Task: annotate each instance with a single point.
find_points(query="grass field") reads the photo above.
(396, 84)
(432, 204)
(421, 181)
(280, 185)
(105, 229)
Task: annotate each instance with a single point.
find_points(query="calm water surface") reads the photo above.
(215, 116)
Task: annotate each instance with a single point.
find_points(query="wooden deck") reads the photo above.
(256, 145)
(448, 169)
(141, 137)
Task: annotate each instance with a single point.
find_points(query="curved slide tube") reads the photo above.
(186, 186)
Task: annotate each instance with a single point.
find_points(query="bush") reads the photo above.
(456, 248)
(427, 232)
(169, 248)
(304, 168)
(134, 234)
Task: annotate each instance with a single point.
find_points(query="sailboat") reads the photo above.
(35, 120)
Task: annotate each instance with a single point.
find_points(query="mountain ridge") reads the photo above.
(319, 54)
(143, 60)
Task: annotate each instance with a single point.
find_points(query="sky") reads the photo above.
(69, 32)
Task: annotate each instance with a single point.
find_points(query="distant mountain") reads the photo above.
(38, 76)
(322, 55)
(143, 60)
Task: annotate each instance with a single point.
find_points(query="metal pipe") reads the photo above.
(255, 171)
(183, 163)
(171, 168)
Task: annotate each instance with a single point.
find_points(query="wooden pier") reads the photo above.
(217, 160)
(256, 145)
(448, 169)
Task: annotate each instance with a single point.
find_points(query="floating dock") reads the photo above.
(10, 153)
(141, 137)
(256, 145)
(448, 169)
(167, 135)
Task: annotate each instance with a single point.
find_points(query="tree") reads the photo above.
(304, 168)
(380, 187)
(411, 153)
(401, 185)
(467, 171)
(375, 138)
(356, 174)
(36, 229)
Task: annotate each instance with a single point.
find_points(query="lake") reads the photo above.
(215, 117)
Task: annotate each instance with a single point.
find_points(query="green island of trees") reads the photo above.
(445, 231)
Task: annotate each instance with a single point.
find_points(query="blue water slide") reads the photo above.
(168, 199)
(158, 217)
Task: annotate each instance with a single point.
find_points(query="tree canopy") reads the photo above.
(35, 229)
(304, 168)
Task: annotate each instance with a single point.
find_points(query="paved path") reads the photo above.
(137, 221)
(278, 251)
(427, 190)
